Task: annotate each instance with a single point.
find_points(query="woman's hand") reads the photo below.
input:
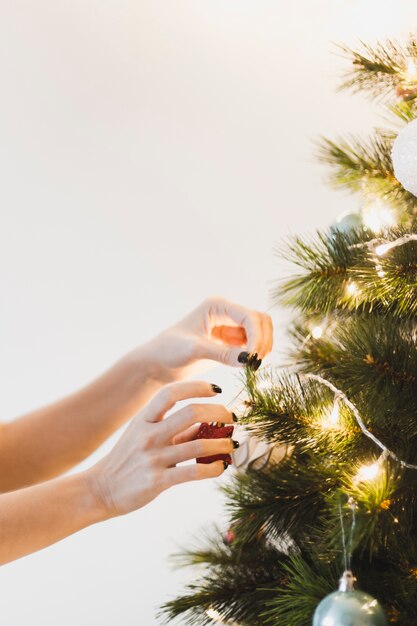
(144, 461)
(218, 330)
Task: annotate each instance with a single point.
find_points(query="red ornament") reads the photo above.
(214, 431)
(229, 536)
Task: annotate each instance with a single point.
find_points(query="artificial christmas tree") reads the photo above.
(344, 497)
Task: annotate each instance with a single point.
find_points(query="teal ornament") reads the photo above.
(348, 607)
(348, 222)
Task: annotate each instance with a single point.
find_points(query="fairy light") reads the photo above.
(352, 289)
(332, 418)
(343, 397)
(214, 615)
(381, 247)
(317, 332)
(377, 216)
(411, 72)
(379, 270)
(368, 472)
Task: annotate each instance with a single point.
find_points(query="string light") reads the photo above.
(317, 332)
(368, 472)
(379, 270)
(376, 216)
(352, 289)
(359, 420)
(383, 248)
(332, 418)
(214, 615)
(411, 72)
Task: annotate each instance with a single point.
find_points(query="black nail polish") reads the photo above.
(216, 388)
(252, 359)
(256, 364)
(234, 417)
(243, 357)
(225, 465)
(236, 444)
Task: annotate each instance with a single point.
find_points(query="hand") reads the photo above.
(218, 330)
(144, 461)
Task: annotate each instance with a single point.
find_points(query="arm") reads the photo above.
(52, 439)
(38, 516)
(141, 465)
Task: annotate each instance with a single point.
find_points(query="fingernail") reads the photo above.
(234, 417)
(225, 465)
(236, 444)
(252, 358)
(216, 388)
(243, 357)
(256, 364)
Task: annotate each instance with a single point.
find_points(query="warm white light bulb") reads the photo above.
(317, 332)
(213, 614)
(376, 216)
(331, 419)
(411, 69)
(368, 472)
(379, 270)
(352, 288)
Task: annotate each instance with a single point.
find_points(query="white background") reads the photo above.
(152, 153)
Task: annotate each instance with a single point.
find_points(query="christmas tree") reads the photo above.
(344, 497)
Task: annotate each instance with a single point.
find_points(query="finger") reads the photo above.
(195, 449)
(172, 393)
(207, 349)
(232, 335)
(266, 324)
(247, 318)
(197, 471)
(191, 414)
(188, 434)
(220, 309)
(270, 332)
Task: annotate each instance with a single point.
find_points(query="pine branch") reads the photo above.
(282, 409)
(294, 602)
(237, 590)
(366, 167)
(378, 69)
(331, 263)
(286, 497)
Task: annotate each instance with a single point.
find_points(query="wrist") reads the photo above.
(145, 358)
(95, 501)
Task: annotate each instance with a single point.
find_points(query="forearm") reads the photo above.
(54, 438)
(35, 517)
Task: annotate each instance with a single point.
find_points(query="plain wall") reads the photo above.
(152, 153)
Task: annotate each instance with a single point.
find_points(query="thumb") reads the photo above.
(229, 355)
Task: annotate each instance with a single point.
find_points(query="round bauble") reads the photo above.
(404, 157)
(348, 222)
(349, 608)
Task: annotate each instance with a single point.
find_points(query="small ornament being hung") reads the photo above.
(404, 157)
(348, 607)
(216, 430)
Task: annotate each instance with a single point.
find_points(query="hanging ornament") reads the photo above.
(348, 607)
(216, 430)
(347, 222)
(404, 157)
